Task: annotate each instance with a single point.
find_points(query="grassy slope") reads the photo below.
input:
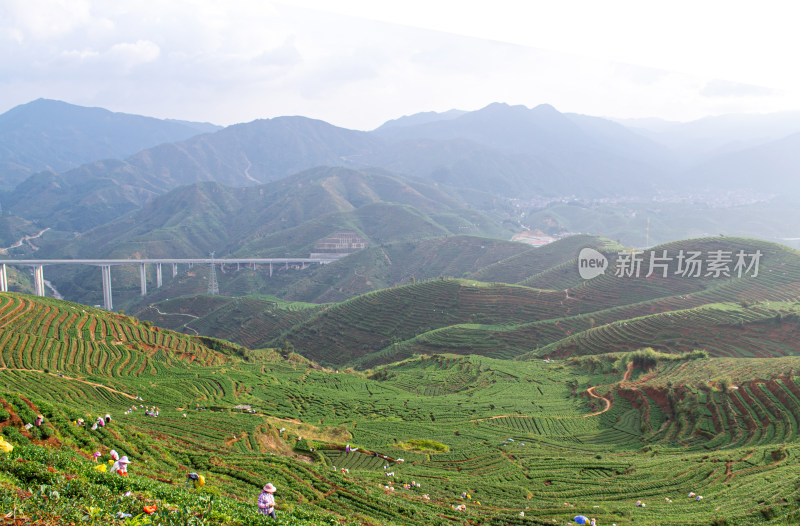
(278, 219)
(669, 431)
(601, 315)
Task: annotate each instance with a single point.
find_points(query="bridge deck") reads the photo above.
(164, 260)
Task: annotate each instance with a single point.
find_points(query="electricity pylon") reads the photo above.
(213, 286)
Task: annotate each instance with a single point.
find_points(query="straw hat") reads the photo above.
(124, 460)
(269, 488)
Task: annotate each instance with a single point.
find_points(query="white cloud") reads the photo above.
(725, 88)
(733, 39)
(45, 19)
(358, 63)
(128, 55)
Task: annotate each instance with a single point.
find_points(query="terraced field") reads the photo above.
(555, 312)
(573, 425)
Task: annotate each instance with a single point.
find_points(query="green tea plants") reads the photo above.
(460, 425)
(424, 446)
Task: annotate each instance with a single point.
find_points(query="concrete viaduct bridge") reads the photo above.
(106, 264)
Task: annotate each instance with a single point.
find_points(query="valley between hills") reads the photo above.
(520, 393)
(434, 372)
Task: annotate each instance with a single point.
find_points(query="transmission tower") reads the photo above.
(213, 286)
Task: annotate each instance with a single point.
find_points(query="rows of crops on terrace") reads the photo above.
(440, 374)
(651, 478)
(559, 277)
(41, 333)
(519, 267)
(635, 450)
(494, 384)
(67, 391)
(303, 488)
(354, 460)
(497, 321)
(587, 306)
(710, 410)
(453, 256)
(249, 321)
(778, 265)
(372, 322)
(567, 427)
(517, 340)
(703, 372)
(719, 328)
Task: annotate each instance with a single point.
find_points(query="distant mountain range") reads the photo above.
(274, 187)
(510, 151)
(57, 136)
(717, 135)
(501, 149)
(195, 219)
(276, 219)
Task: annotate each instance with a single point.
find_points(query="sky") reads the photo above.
(359, 63)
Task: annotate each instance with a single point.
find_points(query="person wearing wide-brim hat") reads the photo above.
(266, 501)
(121, 466)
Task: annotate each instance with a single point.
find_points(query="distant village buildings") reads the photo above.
(536, 238)
(339, 244)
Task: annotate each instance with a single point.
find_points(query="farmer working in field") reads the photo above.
(266, 501)
(121, 466)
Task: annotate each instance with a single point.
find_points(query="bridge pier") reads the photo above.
(158, 275)
(270, 269)
(143, 278)
(105, 270)
(3, 278)
(174, 270)
(38, 280)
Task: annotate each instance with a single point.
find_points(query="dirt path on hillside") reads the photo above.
(87, 382)
(603, 398)
(22, 240)
(625, 378)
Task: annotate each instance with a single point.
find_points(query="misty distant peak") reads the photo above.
(53, 134)
(541, 115)
(546, 109)
(421, 118)
(47, 112)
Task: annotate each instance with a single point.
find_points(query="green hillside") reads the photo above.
(553, 313)
(15, 229)
(279, 219)
(527, 442)
(400, 263)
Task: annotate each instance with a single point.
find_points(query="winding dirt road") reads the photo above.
(625, 378)
(23, 240)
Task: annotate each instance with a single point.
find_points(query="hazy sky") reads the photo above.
(358, 63)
